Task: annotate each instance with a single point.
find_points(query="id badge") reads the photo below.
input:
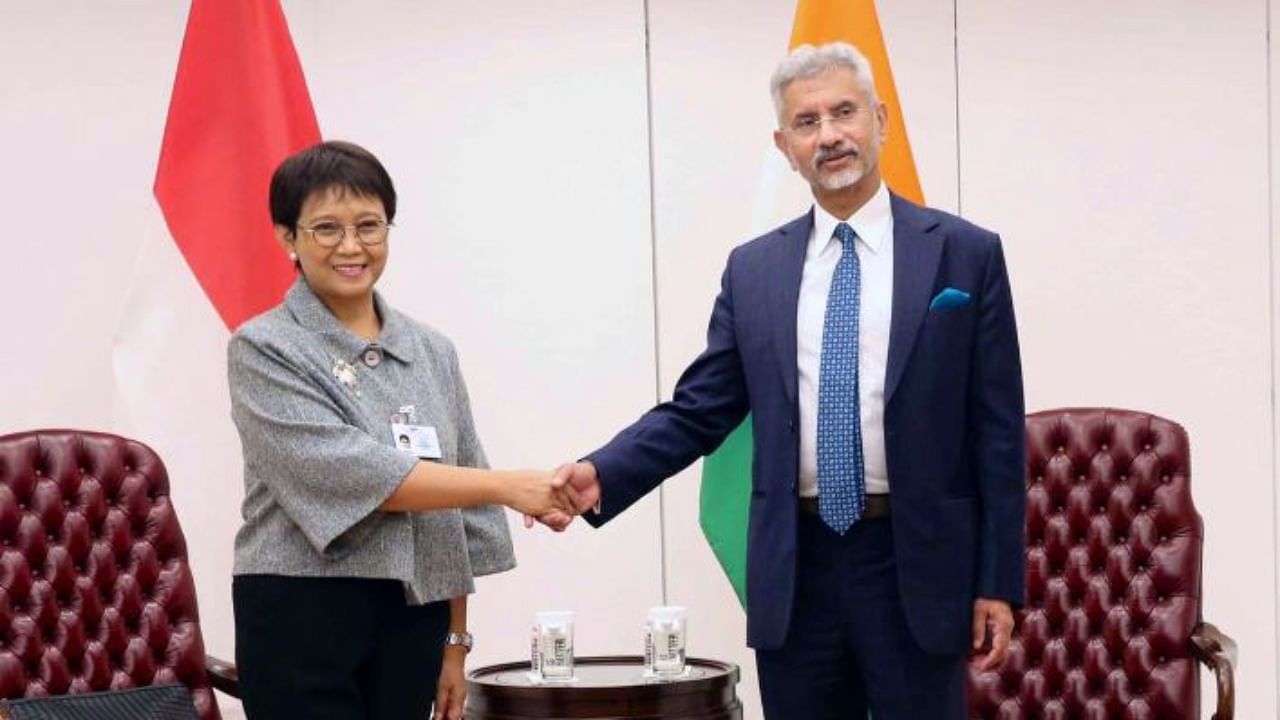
(418, 440)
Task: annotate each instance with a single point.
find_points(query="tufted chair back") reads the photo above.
(95, 589)
(1113, 575)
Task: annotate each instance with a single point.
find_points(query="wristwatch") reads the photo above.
(463, 638)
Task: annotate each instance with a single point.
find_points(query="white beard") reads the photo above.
(841, 180)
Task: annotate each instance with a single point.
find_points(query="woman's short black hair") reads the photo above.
(331, 164)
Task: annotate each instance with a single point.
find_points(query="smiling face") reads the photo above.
(831, 132)
(342, 276)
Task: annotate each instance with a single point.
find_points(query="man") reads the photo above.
(874, 344)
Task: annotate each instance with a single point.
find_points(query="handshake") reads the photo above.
(555, 498)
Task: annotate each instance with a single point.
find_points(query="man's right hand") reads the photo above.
(579, 487)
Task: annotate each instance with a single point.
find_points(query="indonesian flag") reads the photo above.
(726, 474)
(239, 107)
(210, 262)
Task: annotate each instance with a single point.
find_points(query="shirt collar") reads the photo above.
(310, 312)
(871, 222)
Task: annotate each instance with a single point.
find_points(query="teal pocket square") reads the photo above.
(949, 298)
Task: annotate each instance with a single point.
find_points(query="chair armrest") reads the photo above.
(223, 675)
(1213, 648)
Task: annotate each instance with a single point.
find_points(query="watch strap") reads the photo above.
(463, 639)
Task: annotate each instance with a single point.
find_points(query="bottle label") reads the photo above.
(556, 652)
(535, 657)
(667, 641)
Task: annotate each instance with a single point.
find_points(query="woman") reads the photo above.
(366, 511)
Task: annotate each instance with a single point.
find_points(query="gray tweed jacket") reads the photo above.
(313, 404)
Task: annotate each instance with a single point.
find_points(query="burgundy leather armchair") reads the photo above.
(96, 592)
(1112, 626)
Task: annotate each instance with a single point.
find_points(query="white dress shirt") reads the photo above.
(873, 223)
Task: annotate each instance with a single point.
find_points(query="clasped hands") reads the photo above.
(560, 496)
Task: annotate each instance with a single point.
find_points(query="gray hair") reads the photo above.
(807, 61)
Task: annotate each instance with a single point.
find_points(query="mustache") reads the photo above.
(831, 153)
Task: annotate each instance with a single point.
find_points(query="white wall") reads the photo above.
(82, 118)
(1125, 162)
(1122, 152)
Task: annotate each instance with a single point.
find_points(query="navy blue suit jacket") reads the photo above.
(953, 423)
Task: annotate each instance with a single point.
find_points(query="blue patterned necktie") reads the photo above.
(841, 493)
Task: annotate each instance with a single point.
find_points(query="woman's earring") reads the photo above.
(293, 257)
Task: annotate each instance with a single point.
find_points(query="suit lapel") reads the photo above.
(916, 253)
(787, 266)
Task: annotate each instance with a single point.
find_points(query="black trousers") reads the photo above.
(849, 649)
(335, 648)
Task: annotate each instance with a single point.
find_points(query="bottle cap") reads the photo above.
(553, 618)
(668, 613)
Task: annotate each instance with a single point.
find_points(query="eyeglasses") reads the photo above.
(806, 126)
(331, 234)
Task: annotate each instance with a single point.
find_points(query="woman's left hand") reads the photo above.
(451, 690)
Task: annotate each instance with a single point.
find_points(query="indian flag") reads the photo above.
(726, 474)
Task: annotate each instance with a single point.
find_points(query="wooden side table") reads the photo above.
(606, 687)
